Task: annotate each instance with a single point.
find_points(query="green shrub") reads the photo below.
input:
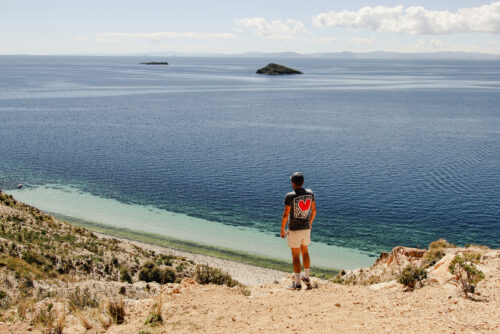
(3, 294)
(411, 276)
(472, 257)
(165, 260)
(125, 275)
(441, 243)
(432, 256)
(466, 273)
(33, 258)
(79, 299)
(151, 273)
(208, 275)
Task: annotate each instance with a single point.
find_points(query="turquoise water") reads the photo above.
(71, 202)
(397, 152)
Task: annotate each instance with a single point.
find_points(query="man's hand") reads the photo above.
(284, 220)
(283, 233)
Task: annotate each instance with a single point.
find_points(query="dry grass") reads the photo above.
(84, 321)
(155, 317)
(115, 307)
(60, 323)
(105, 321)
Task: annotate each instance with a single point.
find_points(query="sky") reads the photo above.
(232, 27)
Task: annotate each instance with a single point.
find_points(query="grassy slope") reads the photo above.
(192, 247)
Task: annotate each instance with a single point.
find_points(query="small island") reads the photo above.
(277, 69)
(155, 63)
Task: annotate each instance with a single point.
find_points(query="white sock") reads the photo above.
(306, 273)
(297, 278)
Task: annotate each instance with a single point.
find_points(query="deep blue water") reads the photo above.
(397, 152)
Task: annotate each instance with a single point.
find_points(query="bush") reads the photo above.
(125, 275)
(432, 256)
(411, 276)
(466, 273)
(151, 273)
(208, 275)
(472, 257)
(80, 299)
(440, 243)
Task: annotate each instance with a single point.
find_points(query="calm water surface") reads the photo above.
(397, 152)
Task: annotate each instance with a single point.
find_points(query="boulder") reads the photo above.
(277, 69)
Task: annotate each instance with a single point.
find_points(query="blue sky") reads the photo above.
(130, 26)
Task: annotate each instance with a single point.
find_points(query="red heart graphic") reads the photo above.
(304, 206)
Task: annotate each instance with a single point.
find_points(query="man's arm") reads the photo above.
(284, 220)
(313, 214)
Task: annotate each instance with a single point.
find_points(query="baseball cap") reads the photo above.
(297, 178)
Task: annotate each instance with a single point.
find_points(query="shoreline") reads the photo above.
(216, 256)
(180, 231)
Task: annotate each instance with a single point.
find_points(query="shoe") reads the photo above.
(307, 281)
(294, 287)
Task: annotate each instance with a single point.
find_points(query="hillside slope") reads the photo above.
(58, 278)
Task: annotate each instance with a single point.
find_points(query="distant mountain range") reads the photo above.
(343, 55)
(324, 55)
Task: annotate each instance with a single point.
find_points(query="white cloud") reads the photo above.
(276, 29)
(416, 20)
(362, 41)
(158, 36)
(323, 39)
(82, 38)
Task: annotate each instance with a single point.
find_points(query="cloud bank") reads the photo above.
(157, 36)
(276, 29)
(415, 20)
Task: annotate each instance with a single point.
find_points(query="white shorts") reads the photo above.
(299, 238)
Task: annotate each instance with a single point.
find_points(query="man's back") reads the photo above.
(300, 201)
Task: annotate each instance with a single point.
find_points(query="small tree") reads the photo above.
(466, 273)
(411, 276)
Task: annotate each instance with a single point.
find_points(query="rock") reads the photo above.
(155, 63)
(277, 69)
(19, 186)
(386, 268)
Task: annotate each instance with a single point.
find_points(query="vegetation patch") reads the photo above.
(209, 275)
(150, 272)
(466, 273)
(412, 277)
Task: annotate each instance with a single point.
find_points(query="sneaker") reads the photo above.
(294, 287)
(306, 280)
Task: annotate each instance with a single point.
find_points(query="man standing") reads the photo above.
(300, 210)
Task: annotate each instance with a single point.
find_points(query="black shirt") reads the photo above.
(300, 200)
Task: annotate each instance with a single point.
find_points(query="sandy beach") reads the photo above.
(244, 273)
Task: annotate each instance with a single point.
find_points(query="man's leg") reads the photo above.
(296, 259)
(305, 259)
(296, 264)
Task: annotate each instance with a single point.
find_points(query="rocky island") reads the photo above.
(155, 63)
(277, 69)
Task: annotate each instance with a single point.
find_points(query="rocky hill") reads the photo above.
(59, 278)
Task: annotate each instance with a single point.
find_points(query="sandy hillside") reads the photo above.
(56, 278)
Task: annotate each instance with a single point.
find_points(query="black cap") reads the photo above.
(297, 178)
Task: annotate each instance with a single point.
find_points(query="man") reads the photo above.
(300, 210)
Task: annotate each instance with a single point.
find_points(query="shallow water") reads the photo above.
(397, 152)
